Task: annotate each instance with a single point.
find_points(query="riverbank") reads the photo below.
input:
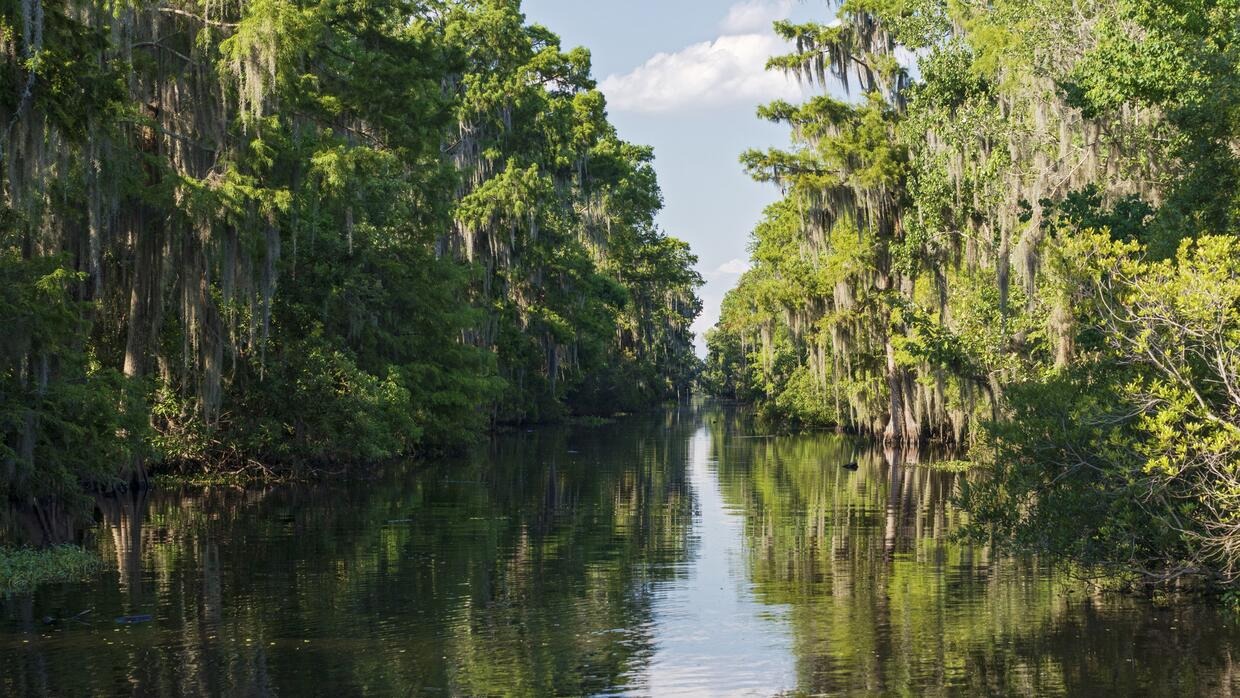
(251, 472)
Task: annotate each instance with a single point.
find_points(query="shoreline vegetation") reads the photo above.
(242, 239)
(310, 233)
(1021, 247)
(24, 569)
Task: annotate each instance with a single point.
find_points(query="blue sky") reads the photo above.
(685, 77)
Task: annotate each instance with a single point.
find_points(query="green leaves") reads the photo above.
(990, 253)
(1134, 448)
(1182, 58)
(22, 570)
(53, 396)
(315, 231)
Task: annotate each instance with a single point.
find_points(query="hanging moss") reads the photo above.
(957, 186)
(316, 232)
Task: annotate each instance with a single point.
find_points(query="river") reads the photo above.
(681, 553)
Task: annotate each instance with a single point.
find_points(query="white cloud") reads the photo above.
(728, 70)
(754, 16)
(727, 272)
(733, 267)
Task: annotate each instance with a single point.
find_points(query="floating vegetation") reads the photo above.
(24, 569)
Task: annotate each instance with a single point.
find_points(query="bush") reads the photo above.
(1129, 460)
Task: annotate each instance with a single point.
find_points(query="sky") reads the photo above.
(685, 76)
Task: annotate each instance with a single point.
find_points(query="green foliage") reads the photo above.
(53, 397)
(23, 569)
(295, 233)
(994, 254)
(1182, 57)
(803, 400)
(1127, 219)
(587, 302)
(1128, 460)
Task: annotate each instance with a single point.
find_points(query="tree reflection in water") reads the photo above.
(538, 566)
(526, 568)
(881, 599)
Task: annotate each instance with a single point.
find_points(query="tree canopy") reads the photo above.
(309, 231)
(1009, 234)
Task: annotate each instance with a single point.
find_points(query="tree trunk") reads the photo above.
(894, 433)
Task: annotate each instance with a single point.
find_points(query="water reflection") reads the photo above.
(881, 600)
(715, 637)
(527, 569)
(675, 554)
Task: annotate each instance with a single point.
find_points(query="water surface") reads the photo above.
(684, 553)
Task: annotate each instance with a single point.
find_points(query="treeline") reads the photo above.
(1017, 234)
(309, 231)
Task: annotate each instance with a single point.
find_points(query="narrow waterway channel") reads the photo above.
(710, 624)
(683, 553)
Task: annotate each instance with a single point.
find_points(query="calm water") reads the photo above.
(681, 554)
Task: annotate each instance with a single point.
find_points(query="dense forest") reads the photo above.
(1012, 226)
(313, 231)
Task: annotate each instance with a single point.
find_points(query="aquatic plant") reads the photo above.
(24, 569)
